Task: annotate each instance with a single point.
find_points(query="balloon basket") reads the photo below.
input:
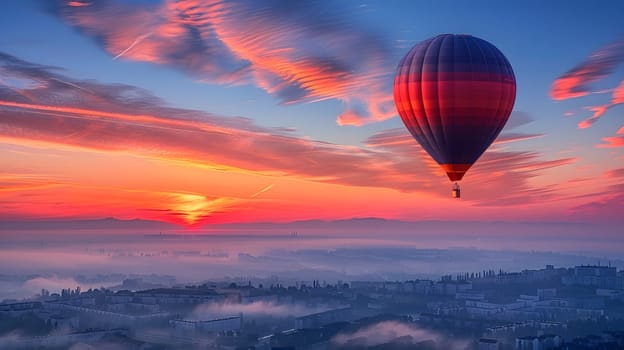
(456, 193)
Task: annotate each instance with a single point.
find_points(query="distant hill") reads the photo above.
(371, 225)
(93, 224)
(360, 226)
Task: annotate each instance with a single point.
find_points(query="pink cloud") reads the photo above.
(512, 137)
(77, 4)
(498, 177)
(615, 173)
(606, 206)
(598, 112)
(618, 94)
(598, 65)
(297, 54)
(351, 117)
(575, 83)
(613, 141)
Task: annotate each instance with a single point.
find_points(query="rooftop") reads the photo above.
(179, 291)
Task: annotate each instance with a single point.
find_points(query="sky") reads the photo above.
(206, 112)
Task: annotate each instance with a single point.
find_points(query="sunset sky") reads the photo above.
(202, 112)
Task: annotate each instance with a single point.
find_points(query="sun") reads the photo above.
(194, 208)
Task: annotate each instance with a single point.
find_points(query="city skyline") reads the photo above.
(202, 113)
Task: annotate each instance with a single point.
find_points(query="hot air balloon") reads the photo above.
(454, 94)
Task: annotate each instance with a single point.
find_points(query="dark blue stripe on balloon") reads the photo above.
(465, 54)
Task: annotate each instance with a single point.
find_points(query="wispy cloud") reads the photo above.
(605, 206)
(599, 111)
(576, 83)
(307, 52)
(598, 65)
(265, 189)
(615, 173)
(513, 137)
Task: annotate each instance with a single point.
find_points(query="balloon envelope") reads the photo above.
(454, 94)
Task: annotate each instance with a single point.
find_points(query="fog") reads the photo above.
(17, 288)
(399, 334)
(55, 262)
(254, 309)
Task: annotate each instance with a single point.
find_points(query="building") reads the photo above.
(121, 297)
(16, 309)
(543, 342)
(470, 295)
(62, 341)
(611, 294)
(546, 293)
(345, 314)
(225, 324)
(108, 318)
(605, 277)
(422, 287)
(488, 344)
(506, 329)
(176, 296)
(451, 287)
(367, 285)
(63, 322)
